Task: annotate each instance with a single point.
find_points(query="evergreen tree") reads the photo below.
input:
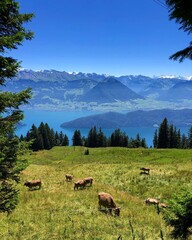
(12, 34)
(61, 137)
(163, 136)
(143, 143)
(57, 139)
(155, 139)
(43, 131)
(92, 137)
(101, 139)
(181, 11)
(77, 140)
(179, 215)
(36, 138)
(171, 137)
(184, 142)
(137, 141)
(65, 141)
(118, 139)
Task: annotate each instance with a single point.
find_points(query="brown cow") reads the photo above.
(88, 180)
(79, 184)
(145, 170)
(32, 184)
(106, 200)
(69, 177)
(151, 201)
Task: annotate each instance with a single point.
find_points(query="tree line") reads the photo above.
(44, 137)
(167, 136)
(96, 138)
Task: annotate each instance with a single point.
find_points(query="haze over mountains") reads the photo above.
(55, 90)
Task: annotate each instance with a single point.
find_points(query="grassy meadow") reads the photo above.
(58, 212)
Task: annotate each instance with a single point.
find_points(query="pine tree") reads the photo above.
(77, 140)
(184, 142)
(181, 12)
(92, 137)
(101, 139)
(179, 215)
(65, 141)
(12, 34)
(57, 139)
(155, 139)
(163, 136)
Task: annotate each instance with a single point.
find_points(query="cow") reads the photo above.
(79, 184)
(145, 170)
(69, 177)
(151, 201)
(106, 200)
(88, 180)
(32, 184)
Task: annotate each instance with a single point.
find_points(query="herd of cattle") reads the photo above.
(104, 199)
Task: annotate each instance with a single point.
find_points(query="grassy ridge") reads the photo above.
(58, 212)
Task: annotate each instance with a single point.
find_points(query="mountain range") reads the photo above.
(56, 90)
(138, 119)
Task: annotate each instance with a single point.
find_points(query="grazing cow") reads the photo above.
(106, 200)
(146, 170)
(33, 183)
(88, 180)
(79, 184)
(151, 201)
(69, 177)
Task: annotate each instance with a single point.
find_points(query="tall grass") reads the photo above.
(58, 212)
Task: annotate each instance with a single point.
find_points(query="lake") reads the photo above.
(56, 118)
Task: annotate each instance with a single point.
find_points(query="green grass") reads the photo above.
(58, 212)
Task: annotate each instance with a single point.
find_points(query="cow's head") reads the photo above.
(117, 211)
(26, 183)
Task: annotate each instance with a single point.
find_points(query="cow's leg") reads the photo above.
(110, 211)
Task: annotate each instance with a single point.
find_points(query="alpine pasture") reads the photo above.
(57, 211)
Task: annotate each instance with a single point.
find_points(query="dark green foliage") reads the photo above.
(179, 215)
(184, 142)
(44, 137)
(92, 138)
(96, 138)
(65, 140)
(77, 139)
(118, 139)
(169, 137)
(8, 196)
(181, 11)
(163, 135)
(12, 34)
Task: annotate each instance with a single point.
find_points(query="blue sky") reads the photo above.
(115, 37)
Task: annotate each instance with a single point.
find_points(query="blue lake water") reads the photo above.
(56, 118)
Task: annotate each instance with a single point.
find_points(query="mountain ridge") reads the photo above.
(52, 89)
(133, 119)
